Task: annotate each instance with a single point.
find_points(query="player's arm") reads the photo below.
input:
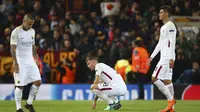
(171, 45)
(97, 79)
(34, 49)
(35, 55)
(155, 52)
(94, 104)
(13, 46)
(96, 82)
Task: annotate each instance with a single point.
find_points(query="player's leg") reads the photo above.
(117, 90)
(97, 89)
(100, 91)
(18, 98)
(19, 79)
(158, 74)
(168, 83)
(35, 78)
(161, 73)
(115, 100)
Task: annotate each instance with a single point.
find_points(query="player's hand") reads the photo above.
(94, 104)
(15, 67)
(171, 63)
(149, 61)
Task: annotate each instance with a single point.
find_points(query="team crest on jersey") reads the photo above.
(32, 37)
(18, 81)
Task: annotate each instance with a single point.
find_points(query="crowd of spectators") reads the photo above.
(110, 38)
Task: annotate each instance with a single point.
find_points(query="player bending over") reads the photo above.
(26, 71)
(107, 84)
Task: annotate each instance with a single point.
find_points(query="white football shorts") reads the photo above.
(163, 72)
(26, 74)
(113, 89)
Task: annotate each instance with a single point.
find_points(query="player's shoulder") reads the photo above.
(170, 24)
(17, 29)
(100, 64)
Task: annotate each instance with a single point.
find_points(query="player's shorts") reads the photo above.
(26, 74)
(163, 72)
(113, 89)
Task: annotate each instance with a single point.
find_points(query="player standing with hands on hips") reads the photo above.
(23, 51)
(107, 84)
(162, 75)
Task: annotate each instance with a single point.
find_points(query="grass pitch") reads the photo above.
(85, 106)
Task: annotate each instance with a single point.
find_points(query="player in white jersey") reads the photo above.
(23, 51)
(107, 84)
(162, 75)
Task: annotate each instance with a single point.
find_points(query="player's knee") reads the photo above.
(154, 79)
(94, 86)
(167, 82)
(37, 83)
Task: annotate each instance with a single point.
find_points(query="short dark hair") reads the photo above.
(28, 16)
(167, 8)
(90, 58)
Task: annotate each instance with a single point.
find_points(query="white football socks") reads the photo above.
(103, 96)
(171, 89)
(161, 86)
(18, 97)
(114, 98)
(32, 94)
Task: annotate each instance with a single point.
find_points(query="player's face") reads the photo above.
(162, 14)
(91, 64)
(28, 24)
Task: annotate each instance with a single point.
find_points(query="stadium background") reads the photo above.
(68, 30)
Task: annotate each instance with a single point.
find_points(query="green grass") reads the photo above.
(85, 106)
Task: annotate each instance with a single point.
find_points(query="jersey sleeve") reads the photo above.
(171, 41)
(156, 50)
(14, 36)
(98, 69)
(33, 36)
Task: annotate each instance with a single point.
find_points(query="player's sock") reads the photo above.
(103, 96)
(161, 86)
(32, 94)
(114, 98)
(171, 90)
(18, 97)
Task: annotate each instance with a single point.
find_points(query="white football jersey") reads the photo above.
(24, 41)
(107, 74)
(166, 44)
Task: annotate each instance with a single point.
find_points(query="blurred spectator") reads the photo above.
(66, 74)
(6, 7)
(56, 43)
(81, 76)
(190, 76)
(121, 67)
(187, 10)
(67, 46)
(74, 27)
(184, 43)
(7, 77)
(139, 65)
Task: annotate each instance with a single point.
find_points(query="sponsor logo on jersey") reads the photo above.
(27, 44)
